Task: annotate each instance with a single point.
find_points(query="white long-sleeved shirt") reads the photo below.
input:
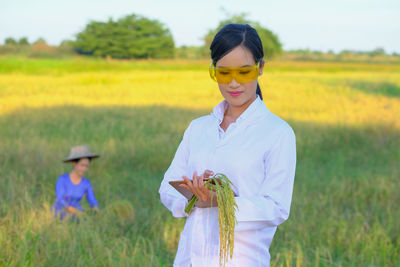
(258, 154)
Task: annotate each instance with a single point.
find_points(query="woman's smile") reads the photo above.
(235, 93)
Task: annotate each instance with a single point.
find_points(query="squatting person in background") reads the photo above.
(72, 186)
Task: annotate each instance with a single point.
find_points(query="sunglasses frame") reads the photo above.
(213, 69)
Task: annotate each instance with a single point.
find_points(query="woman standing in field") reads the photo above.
(242, 139)
(71, 187)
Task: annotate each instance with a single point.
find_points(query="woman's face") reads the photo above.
(81, 166)
(238, 94)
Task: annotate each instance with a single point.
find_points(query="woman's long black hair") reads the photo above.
(233, 35)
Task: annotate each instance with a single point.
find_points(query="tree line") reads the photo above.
(137, 37)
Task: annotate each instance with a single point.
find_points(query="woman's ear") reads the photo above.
(261, 69)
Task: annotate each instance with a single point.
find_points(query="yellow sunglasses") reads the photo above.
(240, 74)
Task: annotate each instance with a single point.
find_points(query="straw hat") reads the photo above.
(78, 152)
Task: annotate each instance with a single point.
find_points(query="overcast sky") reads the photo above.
(314, 24)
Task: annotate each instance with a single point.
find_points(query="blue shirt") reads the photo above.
(70, 195)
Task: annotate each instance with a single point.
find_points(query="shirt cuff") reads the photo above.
(178, 208)
(258, 213)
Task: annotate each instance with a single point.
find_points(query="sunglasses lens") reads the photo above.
(246, 74)
(241, 75)
(223, 75)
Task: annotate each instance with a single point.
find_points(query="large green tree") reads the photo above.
(132, 36)
(271, 44)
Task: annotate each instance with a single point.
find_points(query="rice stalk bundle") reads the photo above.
(221, 185)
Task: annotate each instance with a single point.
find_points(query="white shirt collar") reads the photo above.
(251, 112)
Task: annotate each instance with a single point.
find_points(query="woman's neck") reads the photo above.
(75, 178)
(233, 112)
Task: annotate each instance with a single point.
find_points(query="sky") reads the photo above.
(322, 25)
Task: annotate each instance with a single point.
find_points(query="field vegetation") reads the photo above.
(345, 116)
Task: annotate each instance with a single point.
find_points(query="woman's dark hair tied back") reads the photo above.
(233, 35)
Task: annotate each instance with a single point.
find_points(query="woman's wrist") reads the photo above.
(207, 204)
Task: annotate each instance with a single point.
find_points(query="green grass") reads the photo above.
(344, 209)
(12, 64)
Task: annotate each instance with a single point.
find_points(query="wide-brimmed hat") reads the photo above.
(78, 152)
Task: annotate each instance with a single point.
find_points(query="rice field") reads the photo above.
(345, 116)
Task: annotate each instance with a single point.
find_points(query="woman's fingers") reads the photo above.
(188, 183)
(201, 183)
(201, 189)
(192, 185)
(195, 180)
(187, 180)
(196, 185)
(185, 186)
